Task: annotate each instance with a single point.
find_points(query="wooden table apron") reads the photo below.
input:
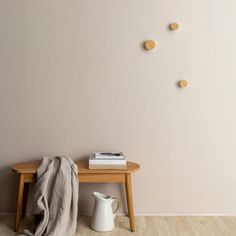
(27, 174)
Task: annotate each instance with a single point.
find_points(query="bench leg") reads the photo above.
(19, 201)
(129, 197)
(25, 197)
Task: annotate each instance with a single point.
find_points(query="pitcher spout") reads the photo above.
(100, 196)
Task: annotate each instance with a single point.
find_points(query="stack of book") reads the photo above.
(107, 160)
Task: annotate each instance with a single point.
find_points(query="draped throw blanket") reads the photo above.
(55, 200)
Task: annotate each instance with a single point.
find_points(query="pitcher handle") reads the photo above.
(115, 200)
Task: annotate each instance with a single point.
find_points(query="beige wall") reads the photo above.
(75, 79)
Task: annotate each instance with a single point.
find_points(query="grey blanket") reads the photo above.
(55, 201)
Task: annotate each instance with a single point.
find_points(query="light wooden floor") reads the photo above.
(148, 226)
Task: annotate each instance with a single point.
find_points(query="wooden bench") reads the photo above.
(27, 173)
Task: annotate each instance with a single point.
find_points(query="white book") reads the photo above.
(105, 155)
(108, 167)
(93, 161)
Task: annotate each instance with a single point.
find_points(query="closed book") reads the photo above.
(107, 167)
(105, 155)
(93, 161)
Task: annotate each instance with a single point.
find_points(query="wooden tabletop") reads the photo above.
(32, 166)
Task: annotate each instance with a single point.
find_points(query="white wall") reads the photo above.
(75, 79)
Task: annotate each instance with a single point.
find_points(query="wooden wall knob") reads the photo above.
(149, 44)
(174, 26)
(183, 83)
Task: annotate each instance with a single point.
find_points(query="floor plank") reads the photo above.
(146, 226)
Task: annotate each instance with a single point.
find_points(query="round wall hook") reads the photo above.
(183, 83)
(149, 44)
(174, 26)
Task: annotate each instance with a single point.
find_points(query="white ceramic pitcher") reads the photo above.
(103, 213)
